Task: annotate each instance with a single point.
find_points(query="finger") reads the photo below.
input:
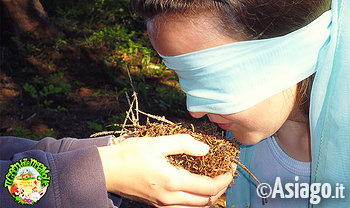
(202, 185)
(120, 139)
(126, 136)
(180, 206)
(223, 181)
(234, 168)
(213, 199)
(180, 198)
(176, 199)
(181, 144)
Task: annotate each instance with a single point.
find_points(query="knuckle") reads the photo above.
(214, 190)
(163, 200)
(171, 185)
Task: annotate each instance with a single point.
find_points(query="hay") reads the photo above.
(223, 152)
(219, 160)
(222, 155)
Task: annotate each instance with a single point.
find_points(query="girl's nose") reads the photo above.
(197, 114)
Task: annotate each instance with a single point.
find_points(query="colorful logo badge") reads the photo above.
(27, 181)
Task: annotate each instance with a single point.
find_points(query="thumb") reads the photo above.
(181, 144)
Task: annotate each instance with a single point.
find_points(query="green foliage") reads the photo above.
(117, 119)
(99, 36)
(79, 84)
(171, 96)
(110, 37)
(116, 93)
(142, 87)
(29, 48)
(60, 44)
(119, 93)
(94, 126)
(20, 131)
(112, 11)
(47, 133)
(31, 90)
(111, 25)
(90, 13)
(50, 93)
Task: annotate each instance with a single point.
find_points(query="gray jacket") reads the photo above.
(72, 166)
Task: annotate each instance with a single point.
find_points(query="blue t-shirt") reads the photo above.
(271, 165)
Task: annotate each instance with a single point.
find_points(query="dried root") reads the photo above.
(219, 160)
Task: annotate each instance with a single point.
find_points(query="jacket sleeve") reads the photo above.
(76, 177)
(11, 145)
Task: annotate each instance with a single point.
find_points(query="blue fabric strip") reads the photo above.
(233, 77)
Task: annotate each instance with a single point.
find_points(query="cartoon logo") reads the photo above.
(27, 181)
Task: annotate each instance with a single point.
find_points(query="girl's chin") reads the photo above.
(248, 139)
(248, 142)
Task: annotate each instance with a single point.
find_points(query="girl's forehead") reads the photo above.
(175, 35)
(197, 23)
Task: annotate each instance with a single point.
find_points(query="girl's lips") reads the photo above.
(225, 126)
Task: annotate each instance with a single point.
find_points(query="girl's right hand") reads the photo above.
(137, 169)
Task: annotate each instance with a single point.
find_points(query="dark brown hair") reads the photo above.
(251, 19)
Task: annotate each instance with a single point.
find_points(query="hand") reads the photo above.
(213, 199)
(137, 168)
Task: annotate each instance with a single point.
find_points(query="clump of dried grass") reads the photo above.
(222, 155)
(223, 152)
(219, 160)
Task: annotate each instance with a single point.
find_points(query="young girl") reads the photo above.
(249, 66)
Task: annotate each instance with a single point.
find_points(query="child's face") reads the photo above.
(174, 36)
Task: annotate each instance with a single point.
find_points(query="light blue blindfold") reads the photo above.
(236, 76)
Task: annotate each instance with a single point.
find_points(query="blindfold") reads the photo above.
(236, 76)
